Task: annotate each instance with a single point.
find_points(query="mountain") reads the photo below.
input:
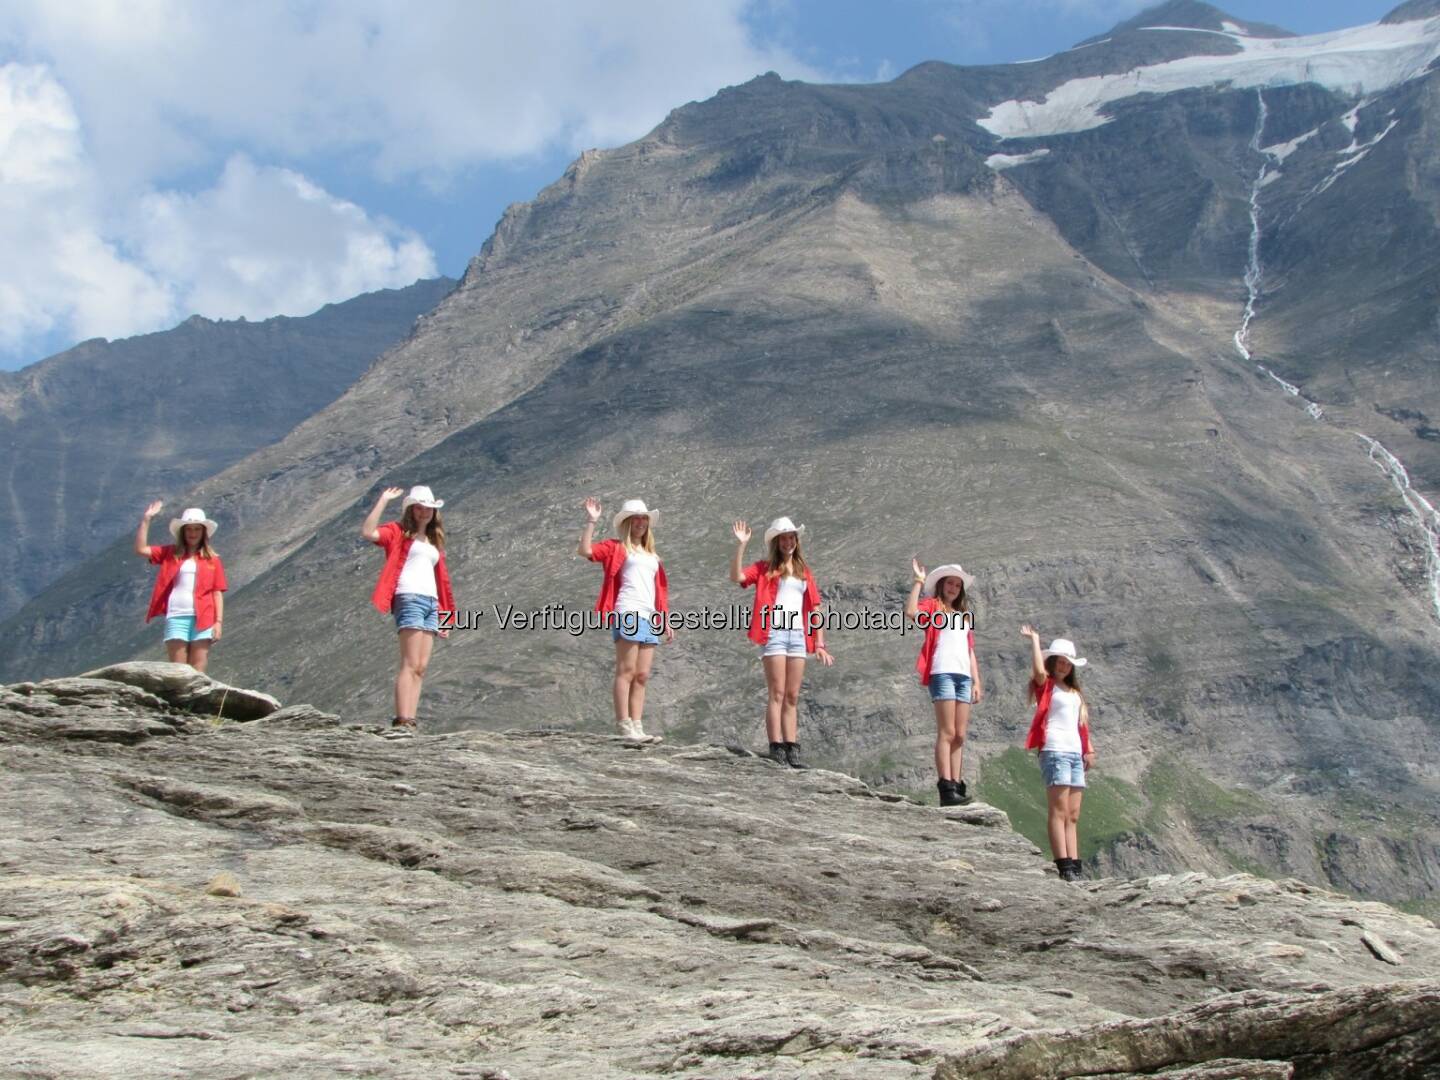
(298, 895)
(1102, 327)
(93, 433)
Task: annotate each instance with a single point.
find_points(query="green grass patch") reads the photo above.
(1177, 789)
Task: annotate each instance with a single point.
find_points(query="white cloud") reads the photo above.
(412, 89)
(266, 241)
(79, 262)
(118, 110)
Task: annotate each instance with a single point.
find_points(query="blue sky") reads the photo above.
(161, 158)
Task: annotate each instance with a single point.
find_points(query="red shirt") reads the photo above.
(209, 579)
(926, 612)
(1036, 739)
(766, 586)
(392, 538)
(611, 555)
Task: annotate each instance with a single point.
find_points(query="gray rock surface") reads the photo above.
(314, 899)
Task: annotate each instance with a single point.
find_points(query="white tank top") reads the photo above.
(637, 584)
(417, 576)
(1062, 722)
(952, 648)
(789, 604)
(182, 593)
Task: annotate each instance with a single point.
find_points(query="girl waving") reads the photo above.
(785, 625)
(947, 666)
(415, 584)
(190, 587)
(634, 598)
(1060, 730)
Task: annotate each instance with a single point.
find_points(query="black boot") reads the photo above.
(1062, 867)
(777, 753)
(948, 795)
(962, 797)
(1077, 869)
(792, 756)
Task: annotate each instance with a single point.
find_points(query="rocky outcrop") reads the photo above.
(300, 894)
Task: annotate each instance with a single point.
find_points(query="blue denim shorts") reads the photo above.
(1062, 769)
(632, 626)
(785, 643)
(416, 612)
(182, 628)
(947, 687)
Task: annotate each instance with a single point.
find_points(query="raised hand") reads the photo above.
(1029, 631)
(153, 509)
(917, 569)
(742, 532)
(592, 510)
(391, 493)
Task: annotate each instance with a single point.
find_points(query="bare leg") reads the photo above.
(638, 682)
(627, 659)
(1056, 804)
(944, 738)
(957, 740)
(198, 656)
(177, 652)
(1072, 822)
(775, 676)
(790, 713)
(415, 646)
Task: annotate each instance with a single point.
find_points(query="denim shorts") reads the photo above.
(785, 643)
(632, 626)
(947, 687)
(1062, 769)
(182, 628)
(416, 612)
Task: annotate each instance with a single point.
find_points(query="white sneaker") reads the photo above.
(641, 736)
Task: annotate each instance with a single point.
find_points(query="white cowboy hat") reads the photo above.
(634, 508)
(193, 516)
(950, 569)
(423, 496)
(780, 526)
(1066, 648)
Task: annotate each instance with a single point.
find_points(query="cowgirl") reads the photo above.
(782, 623)
(634, 598)
(414, 584)
(1060, 730)
(190, 587)
(947, 666)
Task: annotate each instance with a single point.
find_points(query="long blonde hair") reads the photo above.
(434, 528)
(646, 545)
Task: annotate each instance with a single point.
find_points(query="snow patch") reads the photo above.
(1359, 61)
(1281, 151)
(1230, 28)
(1000, 162)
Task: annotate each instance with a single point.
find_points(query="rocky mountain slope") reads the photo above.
(92, 433)
(881, 311)
(299, 895)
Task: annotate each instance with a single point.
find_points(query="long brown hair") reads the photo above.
(203, 550)
(434, 528)
(962, 602)
(1070, 682)
(798, 565)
